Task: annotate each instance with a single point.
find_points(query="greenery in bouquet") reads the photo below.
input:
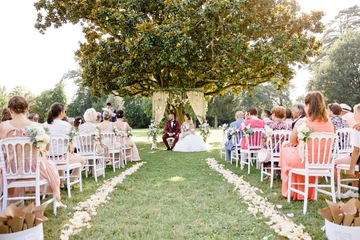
(224, 126)
(232, 130)
(205, 130)
(153, 131)
(96, 134)
(247, 129)
(38, 137)
(116, 131)
(73, 133)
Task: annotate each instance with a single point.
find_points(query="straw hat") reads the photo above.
(345, 107)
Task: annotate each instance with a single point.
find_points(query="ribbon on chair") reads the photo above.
(301, 150)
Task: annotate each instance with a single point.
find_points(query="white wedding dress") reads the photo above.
(189, 141)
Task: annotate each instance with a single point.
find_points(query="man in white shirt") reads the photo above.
(347, 115)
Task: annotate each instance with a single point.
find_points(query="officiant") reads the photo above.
(172, 130)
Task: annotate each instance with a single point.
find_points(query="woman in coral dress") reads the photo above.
(18, 107)
(124, 127)
(318, 121)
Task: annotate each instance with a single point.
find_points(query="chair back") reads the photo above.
(21, 160)
(84, 144)
(319, 152)
(275, 141)
(109, 139)
(59, 149)
(254, 140)
(343, 147)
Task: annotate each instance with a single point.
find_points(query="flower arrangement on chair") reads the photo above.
(247, 129)
(152, 133)
(303, 135)
(204, 130)
(38, 137)
(224, 127)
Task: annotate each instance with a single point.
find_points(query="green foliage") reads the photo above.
(133, 47)
(43, 102)
(338, 76)
(4, 97)
(135, 111)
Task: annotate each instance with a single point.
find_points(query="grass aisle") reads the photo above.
(174, 196)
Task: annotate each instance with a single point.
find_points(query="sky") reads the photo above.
(37, 62)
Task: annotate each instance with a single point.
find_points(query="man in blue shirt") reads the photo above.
(229, 145)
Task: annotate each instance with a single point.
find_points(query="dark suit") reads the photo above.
(171, 128)
(294, 122)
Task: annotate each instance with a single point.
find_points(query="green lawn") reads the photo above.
(202, 205)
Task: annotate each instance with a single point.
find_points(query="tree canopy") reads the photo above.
(338, 76)
(133, 47)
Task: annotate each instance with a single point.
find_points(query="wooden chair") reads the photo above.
(126, 151)
(59, 153)
(274, 146)
(20, 167)
(222, 143)
(234, 154)
(89, 149)
(318, 157)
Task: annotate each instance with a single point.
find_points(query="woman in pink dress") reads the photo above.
(124, 126)
(318, 121)
(252, 120)
(18, 107)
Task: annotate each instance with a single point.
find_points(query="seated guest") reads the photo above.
(278, 116)
(316, 119)
(266, 116)
(56, 125)
(334, 111)
(33, 117)
(288, 119)
(354, 156)
(254, 122)
(230, 144)
(172, 130)
(18, 108)
(347, 115)
(106, 124)
(125, 127)
(90, 117)
(77, 121)
(298, 112)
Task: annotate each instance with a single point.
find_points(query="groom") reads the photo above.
(172, 129)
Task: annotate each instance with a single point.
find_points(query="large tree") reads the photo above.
(135, 46)
(338, 76)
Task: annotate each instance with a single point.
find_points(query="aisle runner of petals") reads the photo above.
(84, 210)
(282, 225)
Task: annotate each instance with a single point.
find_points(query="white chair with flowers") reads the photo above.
(223, 139)
(271, 155)
(110, 140)
(20, 167)
(318, 153)
(88, 145)
(253, 141)
(60, 154)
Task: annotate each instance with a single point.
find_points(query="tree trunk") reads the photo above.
(216, 121)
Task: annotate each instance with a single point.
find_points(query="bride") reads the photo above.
(188, 140)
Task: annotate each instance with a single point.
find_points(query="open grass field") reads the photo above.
(177, 196)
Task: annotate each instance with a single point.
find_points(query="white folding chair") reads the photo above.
(274, 146)
(94, 159)
(343, 147)
(59, 153)
(318, 158)
(109, 139)
(21, 169)
(126, 151)
(254, 145)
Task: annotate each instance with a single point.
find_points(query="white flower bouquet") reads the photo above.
(116, 131)
(224, 126)
(153, 131)
(204, 130)
(303, 132)
(72, 134)
(38, 137)
(232, 130)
